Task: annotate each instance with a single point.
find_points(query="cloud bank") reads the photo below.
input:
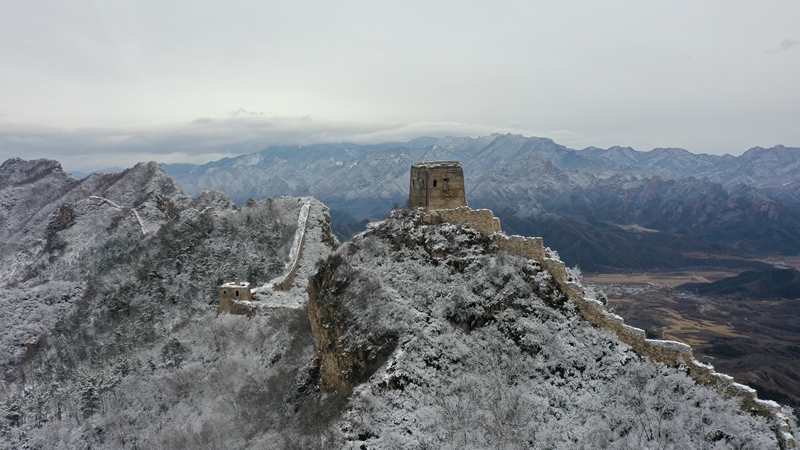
(207, 139)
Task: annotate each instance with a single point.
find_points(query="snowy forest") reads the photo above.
(409, 335)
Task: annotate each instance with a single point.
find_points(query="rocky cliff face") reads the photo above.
(41, 205)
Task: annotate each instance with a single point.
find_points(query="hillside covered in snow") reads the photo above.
(443, 341)
(411, 335)
(109, 297)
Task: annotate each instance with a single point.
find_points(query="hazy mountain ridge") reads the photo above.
(689, 206)
(695, 199)
(760, 168)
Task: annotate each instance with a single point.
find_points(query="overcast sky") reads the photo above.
(109, 83)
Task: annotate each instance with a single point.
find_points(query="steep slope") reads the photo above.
(443, 341)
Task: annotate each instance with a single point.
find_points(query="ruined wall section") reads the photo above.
(533, 248)
(480, 219)
(484, 221)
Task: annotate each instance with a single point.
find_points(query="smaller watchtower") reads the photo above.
(233, 290)
(437, 185)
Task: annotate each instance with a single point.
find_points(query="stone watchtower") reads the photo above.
(437, 185)
(234, 290)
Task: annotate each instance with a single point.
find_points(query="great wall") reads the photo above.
(437, 191)
(282, 290)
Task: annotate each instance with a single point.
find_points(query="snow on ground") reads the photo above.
(485, 353)
(26, 315)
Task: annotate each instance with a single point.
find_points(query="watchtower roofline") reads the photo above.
(437, 185)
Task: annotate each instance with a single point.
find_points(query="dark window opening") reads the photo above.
(434, 183)
(225, 292)
(237, 293)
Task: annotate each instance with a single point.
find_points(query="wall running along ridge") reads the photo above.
(297, 249)
(670, 353)
(285, 281)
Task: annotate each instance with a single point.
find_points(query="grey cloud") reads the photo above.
(243, 112)
(205, 139)
(786, 44)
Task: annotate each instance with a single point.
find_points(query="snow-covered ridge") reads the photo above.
(440, 339)
(678, 354)
(284, 282)
(671, 353)
(34, 195)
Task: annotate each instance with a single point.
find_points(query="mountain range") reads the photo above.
(409, 335)
(618, 207)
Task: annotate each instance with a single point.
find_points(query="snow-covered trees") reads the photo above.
(439, 341)
(487, 353)
(123, 337)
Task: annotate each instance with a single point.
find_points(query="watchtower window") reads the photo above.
(225, 292)
(434, 183)
(237, 293)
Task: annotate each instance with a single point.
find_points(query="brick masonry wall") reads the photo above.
(437, 185)
(480, 219)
